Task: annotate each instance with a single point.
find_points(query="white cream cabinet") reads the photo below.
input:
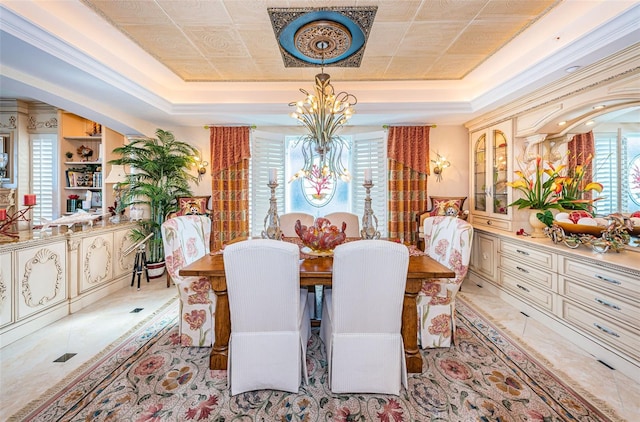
(592, 299)
(46, 276)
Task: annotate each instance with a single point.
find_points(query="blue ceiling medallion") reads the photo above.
(308, 36)
(311, 37)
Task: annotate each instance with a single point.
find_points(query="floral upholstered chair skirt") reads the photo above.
(448, 241)
(186, 239)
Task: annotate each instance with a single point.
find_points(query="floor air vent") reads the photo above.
(65, 357)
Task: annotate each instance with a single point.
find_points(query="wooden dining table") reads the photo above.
(317, 271)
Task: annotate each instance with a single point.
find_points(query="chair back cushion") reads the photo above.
(186, 239)
(288, 222)
(263, 282)
(368, 286)
(448, 241)
(352, 220)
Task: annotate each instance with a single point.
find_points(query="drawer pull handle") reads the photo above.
(489, 222)
(605, 303)
(605, 330)
(522, 252)
(608, 280)
(523, 288)
(522, 270)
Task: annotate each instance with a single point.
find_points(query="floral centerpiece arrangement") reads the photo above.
(548, 187)
(575, 191)
(540, 187)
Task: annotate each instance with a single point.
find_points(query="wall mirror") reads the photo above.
(7, 163)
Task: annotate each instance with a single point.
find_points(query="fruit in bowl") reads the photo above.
(322, 236)
(581, 222)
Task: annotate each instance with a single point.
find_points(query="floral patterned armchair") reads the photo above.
(448, 241)
(186, 239)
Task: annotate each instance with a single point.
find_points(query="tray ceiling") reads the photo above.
(233, 40)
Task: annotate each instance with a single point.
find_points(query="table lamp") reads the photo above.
(116, 176)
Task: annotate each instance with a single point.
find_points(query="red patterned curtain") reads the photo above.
(408, 153)
(580, 148)
(230, 153)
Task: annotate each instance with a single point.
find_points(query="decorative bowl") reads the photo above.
(322, 237)
(581, 228)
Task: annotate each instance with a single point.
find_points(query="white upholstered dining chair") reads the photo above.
(362, 317)
(448, 241)
(288, 222)
(270, 324)
(352, 220)
(186, 239)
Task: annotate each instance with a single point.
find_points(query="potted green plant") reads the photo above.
(159, 174)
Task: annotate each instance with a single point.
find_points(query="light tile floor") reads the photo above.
(28, 370)
(583, 370)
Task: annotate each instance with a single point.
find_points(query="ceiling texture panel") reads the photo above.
(410, 31)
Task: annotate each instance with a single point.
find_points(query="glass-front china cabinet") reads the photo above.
(492, 149)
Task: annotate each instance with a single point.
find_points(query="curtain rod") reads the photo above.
(210, 126)
(429, 125)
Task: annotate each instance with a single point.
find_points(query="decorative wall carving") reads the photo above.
(44, 261)
(3, 289)
(9, 123)
(124, 261)
(97, 261)
(34, 124)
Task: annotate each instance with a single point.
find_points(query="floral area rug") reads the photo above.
(149, 377)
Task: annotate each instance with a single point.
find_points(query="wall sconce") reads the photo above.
(440, 163)
(201, 165)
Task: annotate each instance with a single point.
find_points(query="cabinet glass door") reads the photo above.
(499, 187)
(480, 174)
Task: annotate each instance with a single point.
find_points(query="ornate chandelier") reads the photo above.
(323, 112)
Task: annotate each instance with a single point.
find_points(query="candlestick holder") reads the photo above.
(8, 226)
(272, 221)
(369, 220)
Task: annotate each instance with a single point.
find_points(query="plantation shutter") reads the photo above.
(267, 151)
(370, 151)
(44, 180)
(610, 169)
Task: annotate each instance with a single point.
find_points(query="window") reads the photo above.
(44, 180)
(295, 190)
(617, 167)
(279, 151)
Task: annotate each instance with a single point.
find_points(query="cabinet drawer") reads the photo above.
(607, 304)
(531, 293)
(601, 278)
(532, 273)
(522, 252)
(492, 222)
(612, 333)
